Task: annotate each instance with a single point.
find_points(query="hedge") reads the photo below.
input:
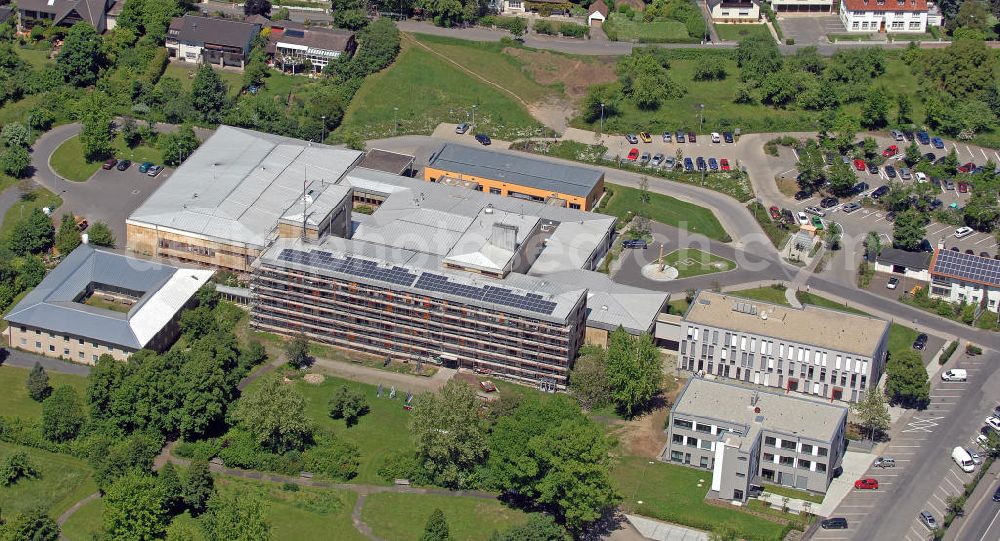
(948, 352)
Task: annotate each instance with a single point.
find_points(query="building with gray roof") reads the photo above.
(747, 437)
(99, 301)
(64, 12)
(222, 42)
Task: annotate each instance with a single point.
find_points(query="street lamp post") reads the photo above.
(473, 117)
(701, 117)
(323, 130)
(395, 120)
(602, 118)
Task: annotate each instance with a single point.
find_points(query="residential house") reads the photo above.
(222, 42)
(806, 6)
(598, 13)
(734, 11)
(961, 277)
(554, 7)
(293, 45)
(65, 12)
(913, 265)
(909, 16)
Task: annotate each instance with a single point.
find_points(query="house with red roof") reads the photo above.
(903, 16)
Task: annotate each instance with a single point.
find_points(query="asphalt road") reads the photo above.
(982, 515)
(23, 359)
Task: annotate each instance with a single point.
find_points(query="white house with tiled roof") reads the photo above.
(900, 16)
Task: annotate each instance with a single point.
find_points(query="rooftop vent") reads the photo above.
(604, 307)
(706, 302)
(745, 308)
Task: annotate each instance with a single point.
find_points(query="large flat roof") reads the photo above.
(778, 412)
(239, 183)
(164, 288)
(516, 169)
(832, 329)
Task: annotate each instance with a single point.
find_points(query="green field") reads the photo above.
(232, 79)
(42, 198)
(622, 201)
(782, 490)
(692, 262)
(401, 517)
(625, 29)
(63, 481)
(17, 111)
(36, 58)
(445, 92)
(67, 161)
(737, 32)
(15, 402)
(86, 523)
(764, 294)
(672, 493)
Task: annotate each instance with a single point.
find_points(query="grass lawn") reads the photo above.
(401, 517)
(233, 80)
(793, 493)
(15, 402)
(677, 307)
(64, 480)
(37, 58)
(622, 201)
(901, 338)
(737, 32)
(692, 262)
(774, 295)
(86, 524)
(627, 29)
(447, 93)
(67, 161)
(672, 493)
(17, 111)
(42, 198)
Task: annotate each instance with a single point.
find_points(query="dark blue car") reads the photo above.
(688, 165)
(923, 138)
(701, 163)
(483, 139)
(937, 142)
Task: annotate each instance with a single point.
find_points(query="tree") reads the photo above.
(100, 234)
(169, 484)
(15, 161)
(14, 134)
(348, 404)
(757, 57)
(31, 525)
(447, 433)
(32, 234)
(30, 273)
(237, 517)
(134, 508)
(80, 58)
(904, 109)
(177, 146)
(297, 351)
(955, 504)
(198, 487)
(281, 15)
(972, 14)
(257, 7)
(62, 414)
(913, 154)
(841, 178)
(907, 383)
(635, 370)
(68, 236)
(38, 383)
(208, 93)
(540, 527)
(981, 212)
(274, 414)
(436, 528)
(873, 411)
(875, 108)
(909, 229)
(16, 467)
(96, 136)
(130, 133)
(589, 378)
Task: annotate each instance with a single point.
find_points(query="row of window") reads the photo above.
(791, 352)
(804, 448)
(806, 372)
(895, 25)
(802, 463)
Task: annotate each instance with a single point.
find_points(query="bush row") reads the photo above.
(570, 30)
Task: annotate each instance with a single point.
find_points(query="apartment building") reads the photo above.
(959, 277)
(810, 350)
(747, 437)
(907, 16)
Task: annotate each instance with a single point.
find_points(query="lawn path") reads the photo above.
(76, 507)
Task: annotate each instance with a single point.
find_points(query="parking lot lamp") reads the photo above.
(701, 117)
(473, 117)
(323, 130)
(602, 118)
(395, 120)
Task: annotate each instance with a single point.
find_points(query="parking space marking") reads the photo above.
(950, 483)
(985, 239)
(940, 500)
(922, 425)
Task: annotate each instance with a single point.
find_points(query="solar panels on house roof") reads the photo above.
(969, 267)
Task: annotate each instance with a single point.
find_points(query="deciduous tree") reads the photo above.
(909, 229)
(32, 234)
(589, 378)
(274, 414)
(179, 145)
(62, 414)
(134, 508)
(81, 57)
(875, 108)
(31, 525)
(540, 527)
(348, 404)
(448, 434)
(198, 487)
(635, 370)
(68, 236)
(907, 383)
(436, 528)
(100, 234)
(16, 467)
(208, 93)
(38, 383)
(297, 351)
(15, 161)
(237, 517)
(873, 411)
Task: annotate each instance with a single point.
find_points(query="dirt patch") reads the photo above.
(573, 74)
(314, 379)
(644, 435)
(787, 185)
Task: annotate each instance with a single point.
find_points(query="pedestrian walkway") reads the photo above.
(664, 531)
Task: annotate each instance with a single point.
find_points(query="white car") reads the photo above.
(920, 176)
(963, 232)
(803, 219)
(955, 374)
(993, 422)
(716, 138)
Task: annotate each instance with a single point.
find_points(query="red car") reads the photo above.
(109, 164)
(724, 164)
(891, 151)
(963, 187)
(859, 165)
(633, 155)
(775, 213)
(967, 167)
(866, 484)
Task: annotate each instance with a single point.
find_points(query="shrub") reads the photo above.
(337, 459)
(973, 349)
(17, 466)
(198, 450)
(545, 27)
(948, 352)
(574, 30)
(404, 465)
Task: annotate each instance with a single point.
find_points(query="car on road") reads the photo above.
(890, 171)
(688, 165)
(996, 495)
(860, 188)
(692, 138)
(817, 222)
(679, 136)
(976, 459)
(949, 185)
(483, 139)
(955, 374)
(803, 219)
(884, 462)
(154, 170)
(109, 163)
(963, 232)
(904, 173)
(646, 137)
(892, 283)
(727, 136)
(724, 164)
(963, 187)
(920, 342)
(667, 137)
(859, 165)
(828, 202)
(866, 484)
(879, 192)
(923, 137)
(632, 139)
(145, 166)
(837, 523)
(644, 158)
(815, 211)
(462, 128)
(928, 520)
(896, 135)
(713, 164)
(700, 162)
(850, 207)
(967, 167)
(657, 160)
(937, 142)
(775, 213)
(892, 150)
(802, 194)
(633, 155)
(123, 165)
(634, 243)
(872, 168)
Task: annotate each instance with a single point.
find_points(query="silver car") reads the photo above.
(904, 173)
(657, 160)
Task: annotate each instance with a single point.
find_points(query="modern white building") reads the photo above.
(734, 11)
(210, 40)
(961, 277)
(903, 16)
(811, 350)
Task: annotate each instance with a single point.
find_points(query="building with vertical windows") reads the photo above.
(810, 350)
(747, 437)
(871, 16)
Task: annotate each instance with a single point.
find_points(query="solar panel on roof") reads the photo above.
(293, 33)
(349, 265)
(531, 302)
(968, 267)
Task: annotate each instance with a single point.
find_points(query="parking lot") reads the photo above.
(702, 147)
(810, 28)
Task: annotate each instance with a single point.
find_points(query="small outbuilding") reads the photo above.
(598, 13)
(914, 265)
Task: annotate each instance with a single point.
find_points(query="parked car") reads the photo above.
(873, 168)
(700, 163)
(462, 128)
(923, 137)
(936, 204)
(860, 188)
(109, 163)
(829, 202)
(724, 164)
(145, 166)
(851, 207)
(716, 137)
(632, 139)
(967, 167)
(669, 162)
(920, 342)
(802, 194)
(667, 137)
(927, 519)
(996, 495)
(483, 139)
(154, 170)
(657, 160)
(817, 222)
(993, 422)
(634, 243)
(890, 216)
(908, 135)
(890, 171)
(963, 187)
(646, 137)
(816, 211)
(976, 459)
(727, 136)
(904, 173)
(775, 213)
(921, 177)
(866, 484)
(930, 156)
(963, 232)
(835, 523)
(633, 155)
(859, 165)
(884, 462)
(879, 192)
(803, 219)
(123, 165)
(644, 158)
(955, 374)
(688, 165)
(892, 283)
(896, 135)
(937, 142)
(891, 151)
(713, 164)
(692, 137)
(679, 136)
(949, 185)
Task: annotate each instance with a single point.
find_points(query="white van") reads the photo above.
(955, 374)
(962, 458)
(963, 232)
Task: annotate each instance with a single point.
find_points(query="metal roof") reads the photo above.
(967, 267)
(52, 304)
(910, 260)
(515, 169)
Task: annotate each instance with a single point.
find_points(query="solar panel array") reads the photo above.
(349, 265)
(531, 302)
(969, 267)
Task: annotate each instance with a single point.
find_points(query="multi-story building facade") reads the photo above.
(960, 277)
(908, 16)
(748, 437)
(809, 350)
